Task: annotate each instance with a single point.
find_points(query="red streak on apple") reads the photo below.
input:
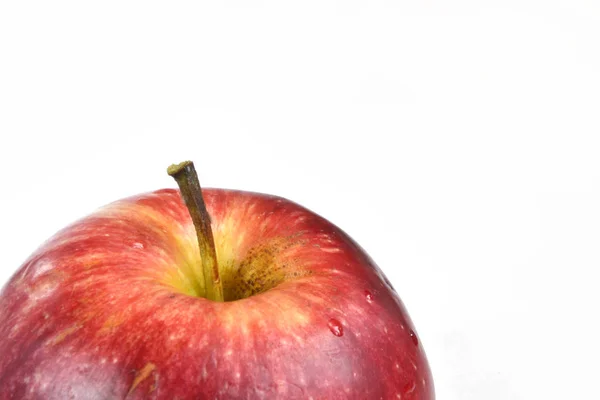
(109, 308)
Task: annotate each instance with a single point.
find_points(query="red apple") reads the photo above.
(114, 306)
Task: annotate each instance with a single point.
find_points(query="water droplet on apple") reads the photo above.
(137, 245)
(368, 296)
(409, 387)
(414, 337)
(336, 327)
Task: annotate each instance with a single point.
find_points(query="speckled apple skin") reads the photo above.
(108, 308)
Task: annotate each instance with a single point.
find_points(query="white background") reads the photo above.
(456, 141)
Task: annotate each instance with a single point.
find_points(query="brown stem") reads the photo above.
(187, 179)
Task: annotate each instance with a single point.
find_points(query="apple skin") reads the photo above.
(109, 308)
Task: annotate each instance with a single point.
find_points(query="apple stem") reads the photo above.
(187, 179)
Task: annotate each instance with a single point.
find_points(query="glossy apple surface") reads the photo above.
(110, 307)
